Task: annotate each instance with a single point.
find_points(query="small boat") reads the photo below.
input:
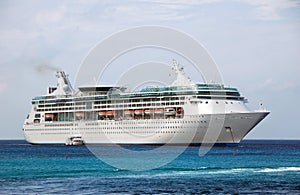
(159, 110)
(138, 112)
(79, 115)
(170, 111)
(149, 111)
(49, 115)
(74, 141)
(102, 113)
(110, 113)
(128, 112)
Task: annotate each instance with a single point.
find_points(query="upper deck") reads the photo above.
(181, 87)
(202, 91)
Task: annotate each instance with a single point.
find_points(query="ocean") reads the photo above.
(252, 167)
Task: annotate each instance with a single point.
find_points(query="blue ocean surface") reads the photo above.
(252, 167)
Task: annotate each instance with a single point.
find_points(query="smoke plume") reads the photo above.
(44, 68)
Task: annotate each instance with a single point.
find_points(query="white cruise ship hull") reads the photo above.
(192, 129)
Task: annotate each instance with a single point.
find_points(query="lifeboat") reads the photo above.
(74, 141)
(149, 111)
(79, 114)
(170, 111)
(102, 113)
(128, 112)
(138, 112)
(110, 113)
(49, 116)
(159, 110)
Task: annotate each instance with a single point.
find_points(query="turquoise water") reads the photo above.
(253, 167)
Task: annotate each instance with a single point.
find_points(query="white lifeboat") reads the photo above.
(74, 141)
(102, 113)
(149, 111)
(170, 111)
(159, 110)
(138, 112)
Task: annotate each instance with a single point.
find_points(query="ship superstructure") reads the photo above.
(180, 113)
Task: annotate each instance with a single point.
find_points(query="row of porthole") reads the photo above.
(146, 123)
(121, 132)
(32, 130)
(54, 133)
(216, 102)
(141, 127)
(159, 127)
(126, 128)
(60, 129)
(195, 116)
(145, 127)
(138, 127)
(117, 132)
(134, 132)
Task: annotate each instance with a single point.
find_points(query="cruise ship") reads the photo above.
(182, 113)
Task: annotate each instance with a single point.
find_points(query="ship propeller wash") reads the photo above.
(152, 115)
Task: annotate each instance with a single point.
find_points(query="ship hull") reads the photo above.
(229, 128)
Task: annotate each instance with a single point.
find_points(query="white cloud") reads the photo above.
(278, 86)
(50, 17)
(270, 9)
(144, 12)
(267, 83)
(286, 86)
(3, 87)
(13, 42)
(263, 9)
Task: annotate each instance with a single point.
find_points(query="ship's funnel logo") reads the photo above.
(140, 57)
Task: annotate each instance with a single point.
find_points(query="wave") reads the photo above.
(208, 170)
(279, 169)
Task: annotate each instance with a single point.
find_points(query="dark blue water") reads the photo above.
(254, 167)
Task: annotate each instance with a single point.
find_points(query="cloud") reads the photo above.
(144, 11)
(268, 82)
(50, 17)
(286, 86)
(3, 87)
(13, 43)
(278, 86)
(270, 9)
(263, 9)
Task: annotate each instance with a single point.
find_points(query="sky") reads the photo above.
(255, 43)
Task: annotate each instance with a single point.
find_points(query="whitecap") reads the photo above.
(279, 169)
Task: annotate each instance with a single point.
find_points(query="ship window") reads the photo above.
(37, 115)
